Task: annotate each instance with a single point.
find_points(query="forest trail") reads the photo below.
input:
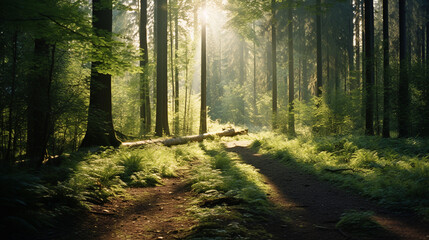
(315, 206)
(306, 208)
(148, 213)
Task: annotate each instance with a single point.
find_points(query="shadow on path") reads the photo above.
(315, 206)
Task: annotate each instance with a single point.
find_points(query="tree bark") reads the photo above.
(176, 69)
(161, 127)
(319, 81)
(403, 93)
(386, 71)
(145, 111)
(38, 107)
(291, 119)
(203, 111)
(369, 67)
(100, 131)
(186, 139)
(274, 62)
(350, 48)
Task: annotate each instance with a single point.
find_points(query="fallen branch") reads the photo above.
(186, 139)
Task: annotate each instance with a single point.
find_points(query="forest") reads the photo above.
(214, 119)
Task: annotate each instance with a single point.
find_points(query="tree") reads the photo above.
(386, 71)
(100, 131)
(203, 112)
(274, 61)
(403, 91)
(145, 112)
(161, 69)
(291, 122)
(369, 67)
(176, 69)
(38, 112)
(319, 49)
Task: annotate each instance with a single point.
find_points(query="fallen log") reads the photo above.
(183, 140)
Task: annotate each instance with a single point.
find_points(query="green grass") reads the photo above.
(395, 172)
(359, 224)
(231, 198)
(34, 200)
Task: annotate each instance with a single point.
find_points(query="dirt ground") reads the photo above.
(312, 208)
(315, 206)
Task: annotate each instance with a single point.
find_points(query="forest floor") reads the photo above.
(312, 207)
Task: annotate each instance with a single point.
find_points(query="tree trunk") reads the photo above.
(356, 82)
(161, 127)
(350, 47)
(100, 131)
(386, 71)
(403, 93)
(291, 119)
(274, 62)
(38, 107)
(369, 67)
(10, 155)
(255, 108)
(319, 82)
(170, 19)
(145, 111)
(203, 111)
(186, 139)
(176, 69)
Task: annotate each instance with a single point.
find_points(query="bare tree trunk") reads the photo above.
(176, 69)
(386, 71)
(203, 111)
(161, 127)
(291, 122)
(274, 62)
(319, 81)
(9, 153)
(145, 111)
(403, 93)
(100, 131)
(369, 67)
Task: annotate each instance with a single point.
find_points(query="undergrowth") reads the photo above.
(33, 200)
(231, 201)
(394, 172)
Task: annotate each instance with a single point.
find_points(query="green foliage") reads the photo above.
(31, 201)
(21, 199)
(359, 223)
(231, 198)
(393, 171)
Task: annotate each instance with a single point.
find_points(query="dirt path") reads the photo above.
(150, 213)
(315, 206)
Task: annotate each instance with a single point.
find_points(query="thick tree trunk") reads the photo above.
(369, 67)
(386, 71)
(403, 93)
(100, 131)
(186, 139)
(145, 111)
(38, 106)
(161, 127)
